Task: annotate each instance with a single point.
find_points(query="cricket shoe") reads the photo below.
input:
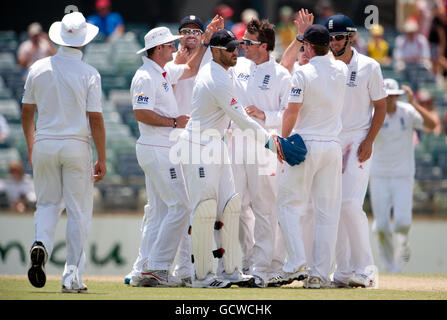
(137, 280)
(36, 271)
(258, 282)
(160, 278)
(283, 277)
(336, 284)
(75, 289)
(211, 281)
(361, 280)
(313, 283)
(238, 278)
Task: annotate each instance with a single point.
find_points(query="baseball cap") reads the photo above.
(224, 38)
(156, 37)
(191, 19)
(392, 87)
(315, 34)
(339, 23)
(72, 31)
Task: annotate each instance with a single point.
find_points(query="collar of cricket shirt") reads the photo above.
(71, 53)
(153, 64)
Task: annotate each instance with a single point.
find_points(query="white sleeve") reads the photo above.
(226, 99)
(416, 118)
(376, 87)
(296, 93)
(28, 94)
(273, 119)
(142, 93)
(174, 71)
(94, 94)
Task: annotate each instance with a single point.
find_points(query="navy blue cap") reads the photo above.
(191, 19)
(224, 38)
(339, 23)
(315, 34)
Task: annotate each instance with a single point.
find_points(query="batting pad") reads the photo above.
(229, 234)
(202, 235)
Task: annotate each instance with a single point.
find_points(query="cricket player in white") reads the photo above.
(392, 174)
(156, 110)
(316, 115)
(365, 93)
(209, 178)
(262, 86)
(67, 95)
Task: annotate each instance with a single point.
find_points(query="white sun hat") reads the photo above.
(156, 37)
(72, 31)
(392, 87)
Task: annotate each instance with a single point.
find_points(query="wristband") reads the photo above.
(175, 123)
(205, 45)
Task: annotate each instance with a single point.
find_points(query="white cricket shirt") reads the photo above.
(265, 86)
(151, 89)
(214, 104)
(64, 88)
(320, 86)
(183, 88)
(394, 148)
(363, 86)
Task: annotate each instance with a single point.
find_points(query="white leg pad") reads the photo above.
(202, 235)
(229, 234)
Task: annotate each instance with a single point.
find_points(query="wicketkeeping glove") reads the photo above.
(291, 149)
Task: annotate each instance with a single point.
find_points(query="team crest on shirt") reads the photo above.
(265, 82)
(243, 76)
(295, 92)
(142, 99)
(165, 86)
(352, 79)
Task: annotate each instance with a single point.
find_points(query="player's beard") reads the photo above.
(229, 61)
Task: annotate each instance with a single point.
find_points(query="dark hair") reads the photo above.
(320, 50)
(265, 31)
(150, 52)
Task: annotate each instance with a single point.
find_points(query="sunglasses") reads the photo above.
(302, 48)
(224, 48)
(338, 37)
(189, 31)
(249, 42)
(170, 44)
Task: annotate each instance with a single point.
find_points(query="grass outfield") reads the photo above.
(391, 287)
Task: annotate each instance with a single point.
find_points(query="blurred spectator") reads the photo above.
(411, 48)
(110, 24)
(37, 46)
(246, 16)
(285, 28)
(426, 101)
(437, 40)
(19, 188)
(359, 44)
(226, 12)
(424, 15)
(4, 129)
(323, 9)
(377, 46)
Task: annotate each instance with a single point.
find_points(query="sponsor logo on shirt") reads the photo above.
(295, 92)
(165, 86)
(243, 76)
(265, 82)
(352, 79)
(142, 99)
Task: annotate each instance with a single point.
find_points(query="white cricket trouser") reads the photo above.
(210, 179)
(353, 250)
(256, 180)
(62, 170)
(318, 176)
(387, 193)
(167, 211)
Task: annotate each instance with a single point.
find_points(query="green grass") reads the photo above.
(394, 287)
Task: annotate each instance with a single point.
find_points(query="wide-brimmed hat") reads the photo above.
(72, 31)
(156, 37)
(392, 87)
